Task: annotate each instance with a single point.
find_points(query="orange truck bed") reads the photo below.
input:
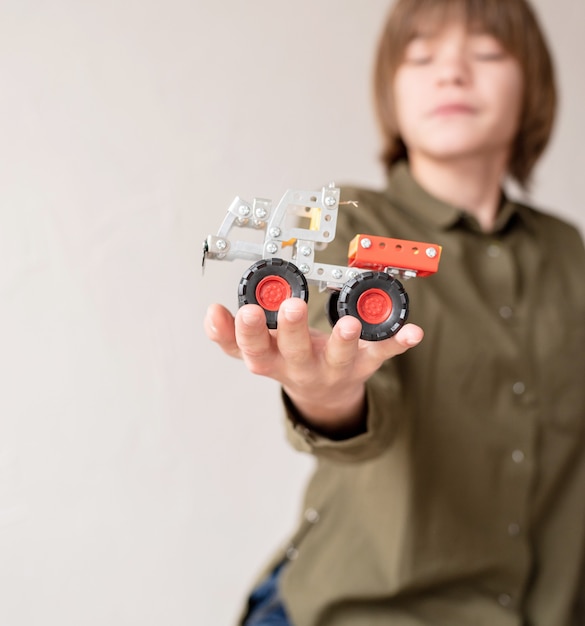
(379, 253)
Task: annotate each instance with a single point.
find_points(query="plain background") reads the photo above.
(144, 477)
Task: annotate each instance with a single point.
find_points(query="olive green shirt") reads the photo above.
(464, 502)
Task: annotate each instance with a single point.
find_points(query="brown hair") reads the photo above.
(515, 25)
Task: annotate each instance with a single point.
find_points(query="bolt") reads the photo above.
(337, 274)
(330, 201)
(352, 274)
(221, 244)
(272, 248)
(366, 243)
(431, 253)
(305, 269)
(275, 231)
(244, 210)
(306, 251)
(261, 213)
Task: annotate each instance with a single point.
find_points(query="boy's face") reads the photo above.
(458, 94)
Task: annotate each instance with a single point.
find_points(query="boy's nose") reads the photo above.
(453, 69)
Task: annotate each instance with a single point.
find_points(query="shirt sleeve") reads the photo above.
(383, 414)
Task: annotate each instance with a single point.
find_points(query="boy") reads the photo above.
(451, 478)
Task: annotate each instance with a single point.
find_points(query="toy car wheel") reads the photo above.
(331, 308)
(378, 300)
(268, 283)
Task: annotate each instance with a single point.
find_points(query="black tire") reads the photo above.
(268, 283)
(331, 308)
(378, 300)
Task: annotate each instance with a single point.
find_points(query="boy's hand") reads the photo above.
(323, 374)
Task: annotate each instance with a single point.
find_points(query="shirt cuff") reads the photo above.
(364, 444)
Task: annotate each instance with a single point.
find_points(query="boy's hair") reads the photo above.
(516, 27)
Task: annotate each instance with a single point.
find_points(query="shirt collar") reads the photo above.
(442, 215)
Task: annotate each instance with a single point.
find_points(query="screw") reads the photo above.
(272, 248)
(221, 244)
(337, 274)
(431, 253)
(366, 243)
(244, 210)
(306, 251)
(275, 231)
(352, 274)
(305, 269)
(330, 201)
(261, 212)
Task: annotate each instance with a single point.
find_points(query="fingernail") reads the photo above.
(210, 325)
(412, 340)
(292, 314)
(248, 317)
(349, 334)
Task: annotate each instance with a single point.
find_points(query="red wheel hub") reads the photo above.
(272, 291)
(374, 306)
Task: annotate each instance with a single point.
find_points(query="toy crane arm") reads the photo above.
(280, 225)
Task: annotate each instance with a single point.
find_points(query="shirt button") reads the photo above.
(493, 251)
(312, 516)
(292, 553)
(505, 599)
(305, 433)
(518, 456)
(518, 388)
(506, 312)
(514, 530)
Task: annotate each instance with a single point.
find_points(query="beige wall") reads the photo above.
(144, 477)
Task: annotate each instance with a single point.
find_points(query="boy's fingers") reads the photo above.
(255, 340)
(251, 330)
(407, 337)
(342, 347)
(219, 327)
(294, 337)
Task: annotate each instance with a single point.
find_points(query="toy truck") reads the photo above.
(302, 223)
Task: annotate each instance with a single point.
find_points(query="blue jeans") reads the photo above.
(265, 604)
